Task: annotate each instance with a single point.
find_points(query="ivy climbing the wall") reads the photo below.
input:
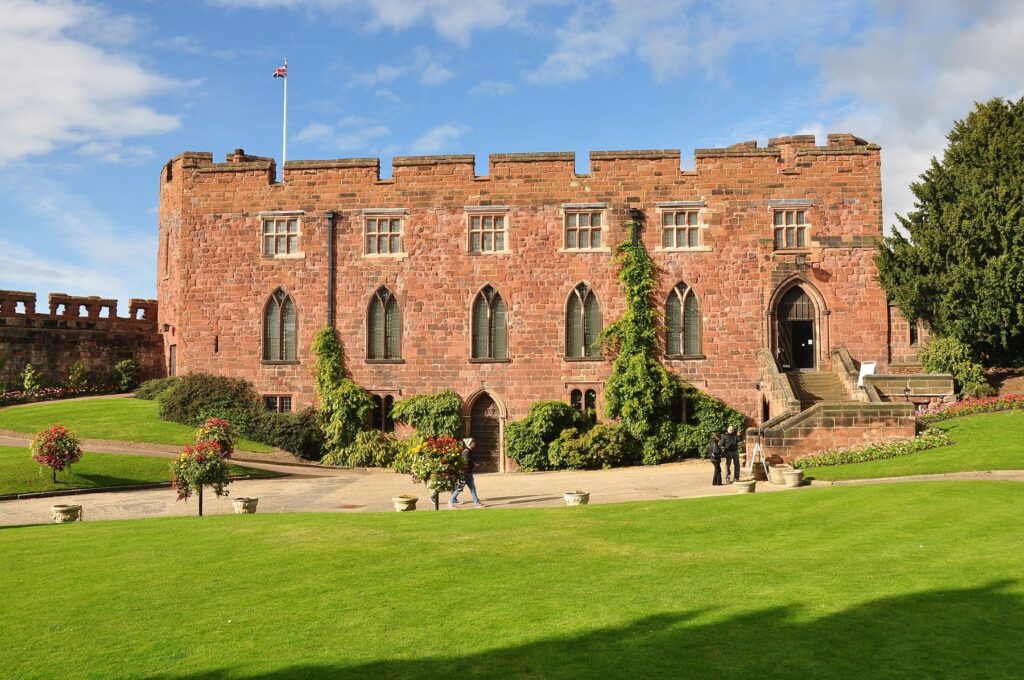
(344, 405)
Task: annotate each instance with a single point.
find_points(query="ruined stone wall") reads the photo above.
(85, 329)
(217, 282)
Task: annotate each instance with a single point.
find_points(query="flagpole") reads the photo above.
(284, 125)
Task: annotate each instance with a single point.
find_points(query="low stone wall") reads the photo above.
(75, 329)
(925, 388)
(833, 425)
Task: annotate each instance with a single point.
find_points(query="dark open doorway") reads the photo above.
(795, 318)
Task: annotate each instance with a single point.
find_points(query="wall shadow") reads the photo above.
(972, 633)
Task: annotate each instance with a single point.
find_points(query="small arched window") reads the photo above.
(582, 323)
(280, 328)
(384, 327)
(682, 323)
(489, 325)
(576, 399)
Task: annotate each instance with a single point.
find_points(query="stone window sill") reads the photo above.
(573, 359)
(385, 361)
(688, 249)
(485, 360)
(284, 256)
(583, 251)
(685, 357)
(488, 253)
(384, 256)
(271, 362)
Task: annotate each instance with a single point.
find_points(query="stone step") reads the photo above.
(812, 387)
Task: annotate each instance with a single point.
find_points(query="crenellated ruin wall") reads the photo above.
(75, 328)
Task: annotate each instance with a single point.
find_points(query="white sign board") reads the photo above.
(866, 368)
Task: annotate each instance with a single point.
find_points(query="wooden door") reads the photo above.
(485, 428)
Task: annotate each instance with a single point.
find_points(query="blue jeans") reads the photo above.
(471, 483)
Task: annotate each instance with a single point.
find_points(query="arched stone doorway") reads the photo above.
(486, 417)
(796, 324)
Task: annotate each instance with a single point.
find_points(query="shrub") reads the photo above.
(371, 448)
(30, 378)
(195, 397)
(431, 415)
(78, 376)
(929, 439)
(56, 448)
(527, 440)
(126, 374)
(153, 389)
(602, 446)
(298, 433)
(199, 465)
(344, 405)
(1006, 402)
(219, 432)
(404, 451)
(949, 355)
(438, 463)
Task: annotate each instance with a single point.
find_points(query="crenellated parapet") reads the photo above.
(18, 308)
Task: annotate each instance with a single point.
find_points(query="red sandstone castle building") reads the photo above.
(497, 286)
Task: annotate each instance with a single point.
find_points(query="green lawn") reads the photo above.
(20, 474)
(986, 441)
(120, 419)
(888, 581)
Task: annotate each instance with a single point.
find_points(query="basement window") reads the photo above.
(281, 403)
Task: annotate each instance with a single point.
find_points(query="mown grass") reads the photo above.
(888, 581)
(985, 441)
(20, 474)
(119, 419)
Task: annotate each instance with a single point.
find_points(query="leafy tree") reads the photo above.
(344, 405)
(960, 266)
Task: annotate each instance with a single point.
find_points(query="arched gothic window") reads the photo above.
(682, 323)
(384, 327)
(280, 328)
(582, 323)
(489, 325)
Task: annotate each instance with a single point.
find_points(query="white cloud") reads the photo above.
(387, 95)
(492, 88)
(59, 86)
(380, 74)
(438, 139)
(348, 134)
(435, 74)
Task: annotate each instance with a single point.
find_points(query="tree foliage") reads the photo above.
(960, 266)
(431, 415)
(344, 405)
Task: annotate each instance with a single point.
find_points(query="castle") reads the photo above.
(497, 286)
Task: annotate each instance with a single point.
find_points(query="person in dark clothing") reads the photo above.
(730, 444)
(467, 480)
(715, 456)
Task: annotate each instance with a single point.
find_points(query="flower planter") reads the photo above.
(404, 503)
(245, 506)
(794, 478)
(62, 514)
(745, 485)
(577, 497)
(775, 473)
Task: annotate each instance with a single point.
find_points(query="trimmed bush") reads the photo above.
(527, 440)
(929, 439)
(126, 374)
(602, 446)
(431, 415)
(153, 389)
(297, 433)
(198, 396)
(371, 448)
(949, 355)
(78, 377)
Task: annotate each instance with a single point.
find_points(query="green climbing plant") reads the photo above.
(344, 405)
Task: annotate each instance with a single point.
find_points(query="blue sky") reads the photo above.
(96, 96)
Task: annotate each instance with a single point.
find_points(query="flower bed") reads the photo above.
(1006, 402)
(931, 438)
(16, 397)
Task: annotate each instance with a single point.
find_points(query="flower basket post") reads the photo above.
(56, 448)
(205, 463)
(439, 465)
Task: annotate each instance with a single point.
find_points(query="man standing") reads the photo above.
(715, 456)
(731, 449)
(467, 454)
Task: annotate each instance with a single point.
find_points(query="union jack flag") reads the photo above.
(281, 72)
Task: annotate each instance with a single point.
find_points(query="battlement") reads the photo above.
(663, 162)
(84, 312)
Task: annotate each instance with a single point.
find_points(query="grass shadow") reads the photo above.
(971, 633)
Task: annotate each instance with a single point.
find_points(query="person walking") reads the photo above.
(467, 453)
(715, 456)
(730, 444)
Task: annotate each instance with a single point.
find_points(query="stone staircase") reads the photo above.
(811, 387)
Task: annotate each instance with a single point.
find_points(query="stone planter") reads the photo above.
(794, 478)
(577, 497)
(404, 503)
(245, 506)
(775, 473)
(62, 514)
(746, 485)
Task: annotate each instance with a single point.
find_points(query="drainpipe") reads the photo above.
(330, 267)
